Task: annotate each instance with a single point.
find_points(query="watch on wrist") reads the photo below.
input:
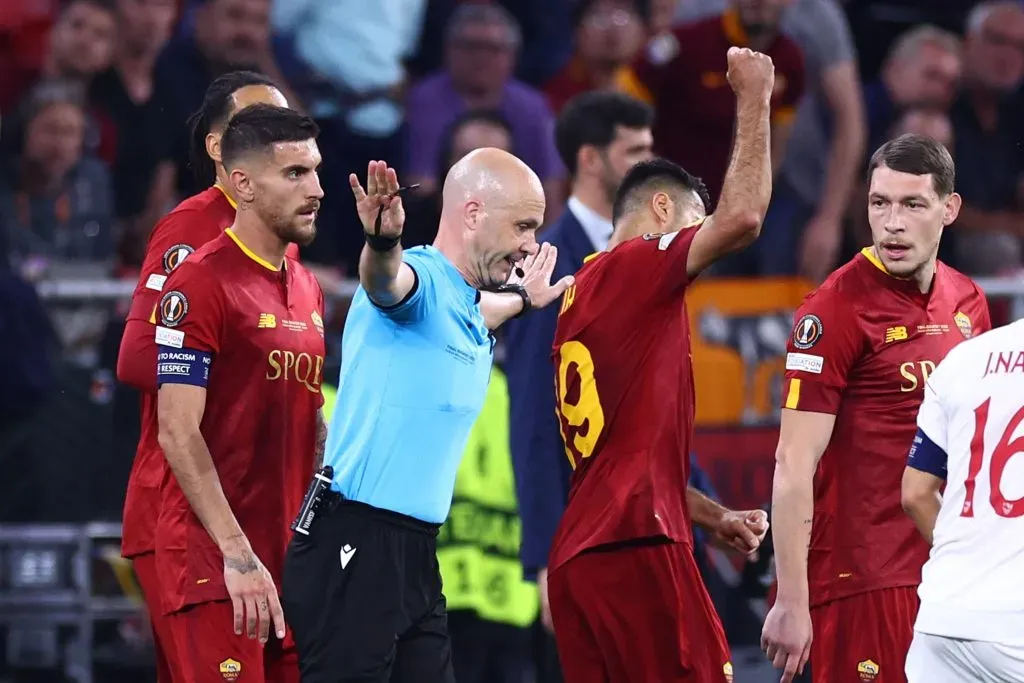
(515, 288)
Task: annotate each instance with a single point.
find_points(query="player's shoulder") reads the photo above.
(194, 221)
(958, 282)
(206, 262)
(843, 289)
(301, 273)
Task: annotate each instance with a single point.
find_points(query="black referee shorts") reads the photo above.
(362, 596)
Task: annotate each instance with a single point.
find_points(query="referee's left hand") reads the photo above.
(536, 277)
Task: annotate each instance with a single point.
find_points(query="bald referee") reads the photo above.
(362, 590)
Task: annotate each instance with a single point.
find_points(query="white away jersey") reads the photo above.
(973, 410)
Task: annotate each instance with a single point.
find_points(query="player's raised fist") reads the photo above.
(379, 199)
(751, 74)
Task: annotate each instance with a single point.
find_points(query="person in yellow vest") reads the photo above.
(490, 607)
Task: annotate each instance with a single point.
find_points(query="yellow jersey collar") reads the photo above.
(249, 252)
(223, 190)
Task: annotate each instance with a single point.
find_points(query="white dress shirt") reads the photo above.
(598, 228)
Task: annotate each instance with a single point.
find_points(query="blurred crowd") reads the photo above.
(96, 96)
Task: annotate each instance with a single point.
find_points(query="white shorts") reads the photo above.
(936, 659)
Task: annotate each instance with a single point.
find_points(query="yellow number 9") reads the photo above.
(580, 416)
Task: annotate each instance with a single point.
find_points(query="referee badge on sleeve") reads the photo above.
(173, 307)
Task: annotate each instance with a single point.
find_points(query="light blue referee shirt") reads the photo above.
(413, 380)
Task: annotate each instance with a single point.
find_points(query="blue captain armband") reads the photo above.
(182, 366)
(926, 456)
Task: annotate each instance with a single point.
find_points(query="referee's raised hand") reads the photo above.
(253, 596)
(380, 197)
(536, 276)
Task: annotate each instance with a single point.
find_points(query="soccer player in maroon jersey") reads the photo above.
(626, 597)
(241, 321)
(848, 558)
(193, 223)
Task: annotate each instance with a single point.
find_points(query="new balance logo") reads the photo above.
(895, 334)
(347, 552)
(267, 321)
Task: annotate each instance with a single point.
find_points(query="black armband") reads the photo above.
(381, 243)
(523, 294)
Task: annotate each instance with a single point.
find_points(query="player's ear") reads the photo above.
(242, 185)
(663, 207)
(213, 147)
(952, 208)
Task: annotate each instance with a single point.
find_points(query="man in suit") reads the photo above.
(599, 136)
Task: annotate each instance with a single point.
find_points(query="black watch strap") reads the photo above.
(515, 288)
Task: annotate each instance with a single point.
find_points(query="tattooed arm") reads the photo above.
(321, 441)
(180, 409)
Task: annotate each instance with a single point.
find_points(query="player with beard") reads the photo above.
(241, 321)
(191, 224)
(848, 558)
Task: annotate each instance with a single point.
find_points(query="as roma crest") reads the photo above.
(963, 324)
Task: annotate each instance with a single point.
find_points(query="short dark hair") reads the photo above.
(258, 127)
(592, 119)
(919, 155)
(214, 113)
(491, 117)
(652, 176)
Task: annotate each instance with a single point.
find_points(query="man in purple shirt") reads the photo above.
(481, 45)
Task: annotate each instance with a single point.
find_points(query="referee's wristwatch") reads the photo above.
(516, 288)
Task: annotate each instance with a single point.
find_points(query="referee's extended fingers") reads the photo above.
(392, 179)
(357, 187)
(251, 614)
(562, 285)
(239, 612)
(276, 612)
(263, 627)
(382, 178)
(371, 178)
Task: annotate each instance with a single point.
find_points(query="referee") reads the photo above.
(362, 590)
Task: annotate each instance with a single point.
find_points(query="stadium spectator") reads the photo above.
(127, 106)
(348, 71)
(608, 35)
(81, 45)
(922, 68)
(470, 131)
(481, 46)
(987, 124)
(227, 35)
(682, 74)
(803, 230)
(55, 202)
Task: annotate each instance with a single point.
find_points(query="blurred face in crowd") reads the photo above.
(907, 216)
(284, 188)
(995, 51)
(609, 34)
(662, 15)
(145, 25)
(931, 122)
(760, 16)
(610, 164)
(481, 57)
(82, 40)
(236, 32)
(53, 139)
(477, 135)
(929, 76)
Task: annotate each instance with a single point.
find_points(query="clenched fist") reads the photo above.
(751, 74)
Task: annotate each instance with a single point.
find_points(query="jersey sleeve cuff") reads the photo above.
(811, 396)
(407, 300)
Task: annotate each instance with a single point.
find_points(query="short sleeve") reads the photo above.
(425, 291)
(833, 39)
(825, 344)
(190, 323)
(169, 245)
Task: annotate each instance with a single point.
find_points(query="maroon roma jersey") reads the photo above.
(862, 348)
(252, 334)
(624, 396)
(191, 224)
